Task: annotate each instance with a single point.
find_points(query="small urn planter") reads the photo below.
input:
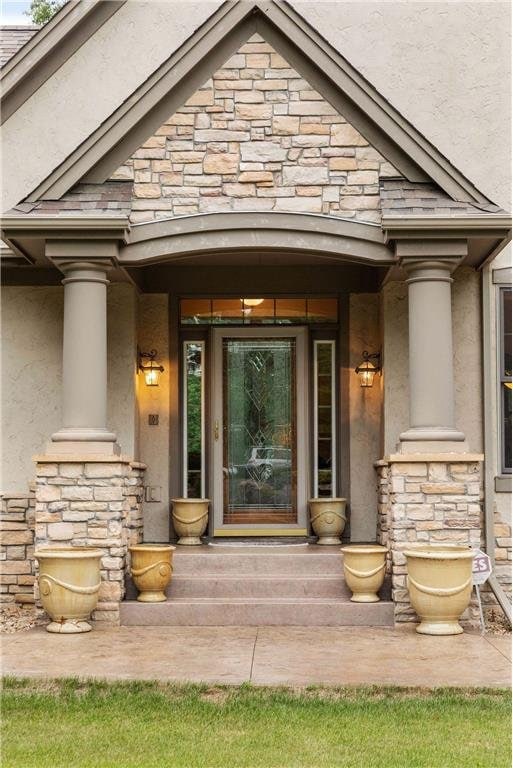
(364, 570)
(69, 582)
(151, 569)
(190, 518)
(328, 518)
(440, 585)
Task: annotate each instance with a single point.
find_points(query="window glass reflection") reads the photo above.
(258, 311)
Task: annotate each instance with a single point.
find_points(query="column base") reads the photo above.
(432, 440)
(82, 448)
(84, 434)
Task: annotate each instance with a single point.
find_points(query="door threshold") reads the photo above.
(264, 541)
(262, 532)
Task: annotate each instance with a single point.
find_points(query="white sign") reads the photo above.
(481, 568)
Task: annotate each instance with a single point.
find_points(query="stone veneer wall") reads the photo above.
(256, 137)
(17, 565)
(427, 500)
(96, 503)
(502, 570)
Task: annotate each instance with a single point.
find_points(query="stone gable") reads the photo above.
(256, 137)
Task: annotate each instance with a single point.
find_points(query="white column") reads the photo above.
(84, 360)
(431, 361)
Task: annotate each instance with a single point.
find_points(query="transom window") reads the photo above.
(259, 311)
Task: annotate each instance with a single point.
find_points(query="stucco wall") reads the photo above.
(396, 402)
(122, 355)
(364, 416)
(31, 374)
(467, 350)
(31, 378)
(153, 333)
(466, 302)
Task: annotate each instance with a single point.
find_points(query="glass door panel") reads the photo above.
(259, 431)
(259, 477)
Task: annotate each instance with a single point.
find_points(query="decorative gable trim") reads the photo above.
(206, 50)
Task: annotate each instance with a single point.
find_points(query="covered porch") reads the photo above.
(325, 286)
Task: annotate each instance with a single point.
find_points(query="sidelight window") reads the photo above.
(194, 419)
(324, 419)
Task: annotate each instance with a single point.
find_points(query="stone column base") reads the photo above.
(92, 501)
(427, 499)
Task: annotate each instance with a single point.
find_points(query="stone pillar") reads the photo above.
(84, 361)
(427, 499)
(92, 502)
(430, 350)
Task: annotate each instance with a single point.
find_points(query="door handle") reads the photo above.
(216, 430)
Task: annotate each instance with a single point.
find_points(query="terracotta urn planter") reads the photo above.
(151, 568)
(440, 585)
(69, 582)
(328, 518)
(190, 518)
(364, 570)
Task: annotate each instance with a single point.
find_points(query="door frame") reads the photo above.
(218, 528)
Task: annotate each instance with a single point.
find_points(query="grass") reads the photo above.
(75, 723)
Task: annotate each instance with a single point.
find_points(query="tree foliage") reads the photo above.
(41, 11)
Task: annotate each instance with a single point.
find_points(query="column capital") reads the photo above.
(424, 270)
(87, 255)
(431, 253)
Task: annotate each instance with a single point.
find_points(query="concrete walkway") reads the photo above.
(264, 656)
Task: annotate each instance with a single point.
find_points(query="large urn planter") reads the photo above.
(190, 518)
(440, 585)
(364, 570)
(328, 518)
(69, 582)
(151, 569)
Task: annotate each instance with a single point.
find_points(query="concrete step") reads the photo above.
(260, 561)
(223, 611)
(258, 586)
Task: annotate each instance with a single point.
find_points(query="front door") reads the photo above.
(259, 432)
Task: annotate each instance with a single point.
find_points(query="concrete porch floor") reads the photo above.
(264, 656)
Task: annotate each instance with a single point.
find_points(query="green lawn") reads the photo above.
(73, 723)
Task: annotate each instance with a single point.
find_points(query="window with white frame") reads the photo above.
(505, 377)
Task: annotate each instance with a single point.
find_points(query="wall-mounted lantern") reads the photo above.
(366, 370)
(151, 371)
